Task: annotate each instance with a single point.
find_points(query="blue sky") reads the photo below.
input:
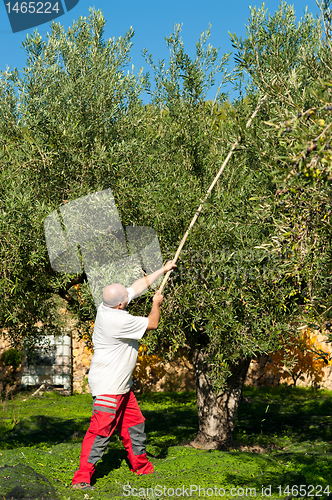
(152, 20)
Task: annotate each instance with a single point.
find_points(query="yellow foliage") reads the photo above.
(87, 337)
(149, 368)
(307, 363)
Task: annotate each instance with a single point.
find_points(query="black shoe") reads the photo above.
(82, 486)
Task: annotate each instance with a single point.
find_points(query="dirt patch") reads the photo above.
(254, 448)
(233, 446)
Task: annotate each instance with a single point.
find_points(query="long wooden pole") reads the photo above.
(236, 143)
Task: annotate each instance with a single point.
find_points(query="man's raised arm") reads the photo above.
(155, 312)
(142, 284)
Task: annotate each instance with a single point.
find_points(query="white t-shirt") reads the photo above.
(115, 343)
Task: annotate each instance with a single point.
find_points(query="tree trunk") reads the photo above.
(217, 413)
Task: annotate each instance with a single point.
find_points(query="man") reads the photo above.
(115, 342)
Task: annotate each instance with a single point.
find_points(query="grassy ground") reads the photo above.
(283, 449)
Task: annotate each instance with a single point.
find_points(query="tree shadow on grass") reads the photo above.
(164, 428)
(303, 421)
(170, 427)
(111, 460)
(41, 429)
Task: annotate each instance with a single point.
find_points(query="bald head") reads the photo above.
(114, 295)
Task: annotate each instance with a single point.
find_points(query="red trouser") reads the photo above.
(112, 412)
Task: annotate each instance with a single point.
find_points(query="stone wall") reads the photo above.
(261, 374)
(177, 375)
(82, 357)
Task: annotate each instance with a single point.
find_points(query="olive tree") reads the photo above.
(290, 63)
(226, 303)
(63, 122)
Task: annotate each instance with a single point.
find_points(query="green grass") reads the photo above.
(282, 440)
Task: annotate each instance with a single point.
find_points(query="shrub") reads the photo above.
(12, 357)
